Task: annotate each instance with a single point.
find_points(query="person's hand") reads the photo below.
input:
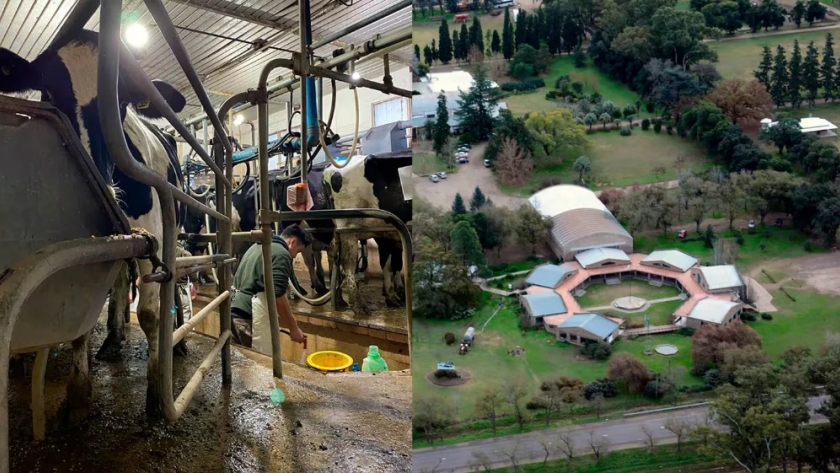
(297, 335)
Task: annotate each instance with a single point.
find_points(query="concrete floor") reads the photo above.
(353, 422)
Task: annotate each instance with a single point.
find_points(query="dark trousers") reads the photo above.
(240, 330)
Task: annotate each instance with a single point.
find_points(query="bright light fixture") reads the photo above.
(136, 35)
(238, 119)
(356, 76)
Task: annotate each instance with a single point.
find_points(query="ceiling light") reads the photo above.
(238, 119)
(136, 35)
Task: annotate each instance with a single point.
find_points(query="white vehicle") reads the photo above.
(487, 163)
(434, 178)
(442, 175)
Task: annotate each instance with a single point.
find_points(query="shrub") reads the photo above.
(808, 247)
(446, 374)
(649, 107)
(553, 95)
(657, 388)
(535, 403)
(696, 389)
(605, 386)
(596, 350)
(449, 338)
(686, 332)
(625, 131)
(713, 378)
(577, 86)
(531, 83)
(657, 127)
(748, 317)
(766, 316)
(670, 129)
(498, 267)
(739, 239)
(563, 83)
(645, 124)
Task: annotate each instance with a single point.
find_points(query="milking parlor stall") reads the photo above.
(146, 145)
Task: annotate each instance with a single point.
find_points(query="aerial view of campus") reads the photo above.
(625, 225)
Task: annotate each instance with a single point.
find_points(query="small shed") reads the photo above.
(541, 305)
(549, 275)
(581, 328)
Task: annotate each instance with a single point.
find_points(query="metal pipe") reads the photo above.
(187, 261)
(197, 318)
(75, 21)
(192, 386)
(254, 236)
(361, 82)
(384, 51)
(164, 23)
(224, 203)
(109, 112)
(279, 88)
(206, 138)
(357, 26)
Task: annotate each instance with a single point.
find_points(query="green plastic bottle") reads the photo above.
(374, 362)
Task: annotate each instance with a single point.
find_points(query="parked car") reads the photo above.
(751, 224)
(434, 178)
(487, 163)
(442, 175)
(682, 234)
(779, 222)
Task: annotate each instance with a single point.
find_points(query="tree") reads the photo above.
(579, 57)
(550, 400)
(458, 207)
(488, 404)
(556, 130)
(629, 111)
(496, 43)
(465, 242)
(499, 228)
(724, 15)
(507, 36)
(514, 392)
(582, 166)
(797, 13)
(441, 128)
(427, 55)
(762, 74)
(743, 102)
(650, 439)
(478, 200)
(627, 369)
(810, 74)
(711, 341)
(785, 134)
(678, 35)
(512, 165)
(521, 28)
(566, 445)
(477, 105)
(680, 428)
(432, 223)
(430, 415)
(442, 285)
(444, 42)
(828, 219)
(827, 68)
(795, 80)
(590, 119)
(464, 38)
(600, 445)
(417, 51)
(531, 227)
(457, 47)
(816, 11)
(731, 197)
(476, 36)
(780, 78)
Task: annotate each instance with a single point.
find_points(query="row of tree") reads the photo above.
(800, 79)
(731, 15)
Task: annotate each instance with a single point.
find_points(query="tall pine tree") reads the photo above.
(520, 34)
(458, 207)
(476, 36)
(780, 79)
(507, 36)
(496, 43)
(827, 68)
(476, 107)
(478, 200)
(795, 79)
(764, 67)
(464, 38)
(417, 51)
(444, 42)
(440, 134)
(810, 74)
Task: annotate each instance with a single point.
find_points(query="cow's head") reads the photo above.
(66, 76)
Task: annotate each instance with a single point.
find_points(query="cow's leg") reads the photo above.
(349, 251)
(79, 386)
(387, 257)
(336, 253)
(39, 417)
(320, 284)
(118, 305)
(148, 314)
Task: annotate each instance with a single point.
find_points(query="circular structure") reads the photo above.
(666, 350)
(464, 377)
(329, 361)
(630, 303)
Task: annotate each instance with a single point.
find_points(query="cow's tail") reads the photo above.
(133, 275)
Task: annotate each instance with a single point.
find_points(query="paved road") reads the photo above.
(622, 433)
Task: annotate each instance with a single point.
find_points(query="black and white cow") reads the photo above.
(374, 183)
(66, 76)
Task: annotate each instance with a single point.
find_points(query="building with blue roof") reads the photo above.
(582, 328)
(549, 275)
(541, 305)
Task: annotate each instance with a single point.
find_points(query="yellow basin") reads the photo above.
(329, 361)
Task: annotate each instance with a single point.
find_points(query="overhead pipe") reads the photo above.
(357, 26)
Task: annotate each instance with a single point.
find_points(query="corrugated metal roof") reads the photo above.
(547, 275)
(597, 255)
(712, 309)
(555, 200)
(545, 303)
(226, 62)
(594, 227)
(595, 324)
(675, 258)
(721, 277)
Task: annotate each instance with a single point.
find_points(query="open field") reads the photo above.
(619, 161)
(804, 322)
(738, 59)
(598, 295)
(593, 81)
(424, 30)
(659, 313)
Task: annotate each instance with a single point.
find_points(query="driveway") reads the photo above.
(529, 448)
(464, 181)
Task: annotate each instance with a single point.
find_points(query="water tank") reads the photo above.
(470, 334)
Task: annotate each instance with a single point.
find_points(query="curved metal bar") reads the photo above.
(19, 282)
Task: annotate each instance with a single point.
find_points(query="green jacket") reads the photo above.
(249, 275)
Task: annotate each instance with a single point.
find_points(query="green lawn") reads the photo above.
(592, 79)
(424, 30)
(619, 161)
(738, 59)
(659, 313)
(601, 294)
(784, 242)
(426, 162)
(803, 322)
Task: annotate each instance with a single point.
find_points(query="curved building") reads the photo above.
(580, 221)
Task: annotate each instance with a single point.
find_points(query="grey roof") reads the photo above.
(712, 309)
(595, 324)
(547, 275)
(386, 138)
(596, 255)
(545, 303)
(675, 258)
(721, 277)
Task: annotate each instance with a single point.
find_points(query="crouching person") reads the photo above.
(249, 308)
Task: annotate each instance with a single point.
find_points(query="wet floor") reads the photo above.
(353, 422)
